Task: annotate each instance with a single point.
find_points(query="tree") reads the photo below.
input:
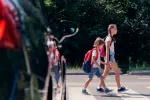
(93, 17)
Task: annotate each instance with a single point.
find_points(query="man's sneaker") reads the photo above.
(100, 90)
(85, 92)
(106, 90)
(122, 89)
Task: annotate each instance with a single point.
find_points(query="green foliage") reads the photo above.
(93, 17)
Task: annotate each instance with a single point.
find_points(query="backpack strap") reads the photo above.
(97, 51)
(96, 55)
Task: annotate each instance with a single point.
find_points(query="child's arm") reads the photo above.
(103, 63)
(94, 61)
(108, 42)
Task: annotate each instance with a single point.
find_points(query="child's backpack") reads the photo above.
(87, 65)
(54, 53)
(103, 49)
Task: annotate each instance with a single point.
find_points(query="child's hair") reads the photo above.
(55, 44)
(111, 26)
(99, 41)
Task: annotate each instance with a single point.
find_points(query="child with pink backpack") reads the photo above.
(92, 66)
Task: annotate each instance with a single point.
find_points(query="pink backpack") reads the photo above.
(103, 49)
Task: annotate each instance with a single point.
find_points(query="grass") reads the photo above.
(131, 67)
(139, 67)
(74, 67)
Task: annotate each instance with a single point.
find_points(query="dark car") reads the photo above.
(23, 58)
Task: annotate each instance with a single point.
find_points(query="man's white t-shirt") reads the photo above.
(98, 60)
(108, 38)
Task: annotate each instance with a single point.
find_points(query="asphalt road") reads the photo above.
(139, 88)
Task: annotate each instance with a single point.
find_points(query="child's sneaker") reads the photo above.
(106, 90)
(122, 89)
(100, 90)
(84, 92)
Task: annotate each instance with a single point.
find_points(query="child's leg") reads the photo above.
(56, 75)
(117, 73)
(90, 77)
(102, 86)
(102, 82)
(87, 83)
(114, 66)
(106, 71)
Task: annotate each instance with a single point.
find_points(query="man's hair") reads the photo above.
(99, 41)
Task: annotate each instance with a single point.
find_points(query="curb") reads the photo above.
(86, 74)
(133, 72)
(141, 72)
(72, 72)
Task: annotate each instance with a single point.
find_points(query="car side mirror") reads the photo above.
(67, 29)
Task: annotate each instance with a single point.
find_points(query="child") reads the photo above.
(56, 64)
(54, 59)
(96, 68)
(110, 56)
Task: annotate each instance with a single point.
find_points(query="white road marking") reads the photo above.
(75, 93)
(148, 87)
(58, 95)
(129, 95)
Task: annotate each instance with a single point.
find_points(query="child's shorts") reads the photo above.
(111, 57)
(94, 71)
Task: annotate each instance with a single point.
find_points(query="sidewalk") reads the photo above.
(139, 72)
(80, 72)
